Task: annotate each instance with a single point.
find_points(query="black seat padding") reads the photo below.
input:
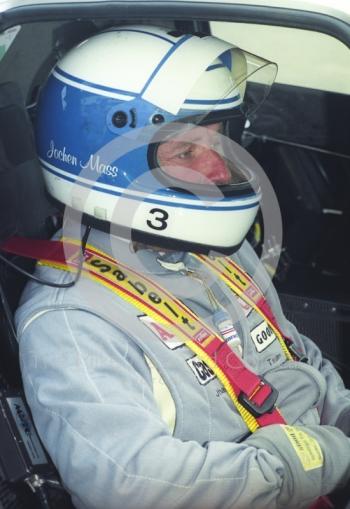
(24, 207)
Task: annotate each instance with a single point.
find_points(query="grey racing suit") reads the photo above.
(133, 420)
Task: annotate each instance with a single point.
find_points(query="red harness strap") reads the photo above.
(51, 250)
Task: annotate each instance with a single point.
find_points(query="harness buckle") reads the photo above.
(297, 354)
(254, 408)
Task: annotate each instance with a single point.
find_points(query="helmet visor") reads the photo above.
(200, 157)
(235, 84)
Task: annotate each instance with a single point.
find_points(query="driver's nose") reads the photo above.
(213, 166)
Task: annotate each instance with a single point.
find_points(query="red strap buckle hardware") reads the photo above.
(259, 409)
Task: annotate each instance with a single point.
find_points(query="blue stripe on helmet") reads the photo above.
(213, 101)
(163, 60)
(65, 74)
(226, 59)
(151, 200)
(214, 66)
(142, 32)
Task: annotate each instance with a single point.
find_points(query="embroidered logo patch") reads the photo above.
(262, 336)
(201, 335)
(200, 369)
(167, 337)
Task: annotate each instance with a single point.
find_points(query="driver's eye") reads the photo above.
(186, 154)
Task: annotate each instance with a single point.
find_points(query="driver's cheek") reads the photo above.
(212, 165)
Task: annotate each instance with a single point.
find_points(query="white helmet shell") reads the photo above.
(122, 86)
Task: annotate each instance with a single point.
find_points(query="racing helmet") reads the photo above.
(117, 108)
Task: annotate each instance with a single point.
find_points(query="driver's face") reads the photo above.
(192, 156)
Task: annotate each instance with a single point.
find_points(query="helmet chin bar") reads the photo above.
(185, 223)
(157, 241)
(181, 245)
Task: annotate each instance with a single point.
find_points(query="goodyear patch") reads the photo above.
(262, 336)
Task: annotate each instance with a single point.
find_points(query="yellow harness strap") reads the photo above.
(241, 284)
(164, 309)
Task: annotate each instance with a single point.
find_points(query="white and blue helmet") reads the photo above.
(109, 104)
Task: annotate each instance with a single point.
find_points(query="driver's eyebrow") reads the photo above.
(200, 138)
(196, 140)
(176, 146)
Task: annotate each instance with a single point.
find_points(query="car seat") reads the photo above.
(25, 210)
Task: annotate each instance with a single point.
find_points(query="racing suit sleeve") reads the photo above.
(334, 407)
(310, 446)
(92, 402)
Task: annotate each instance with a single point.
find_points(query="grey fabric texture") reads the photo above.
(300, 484)
(84, 354)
